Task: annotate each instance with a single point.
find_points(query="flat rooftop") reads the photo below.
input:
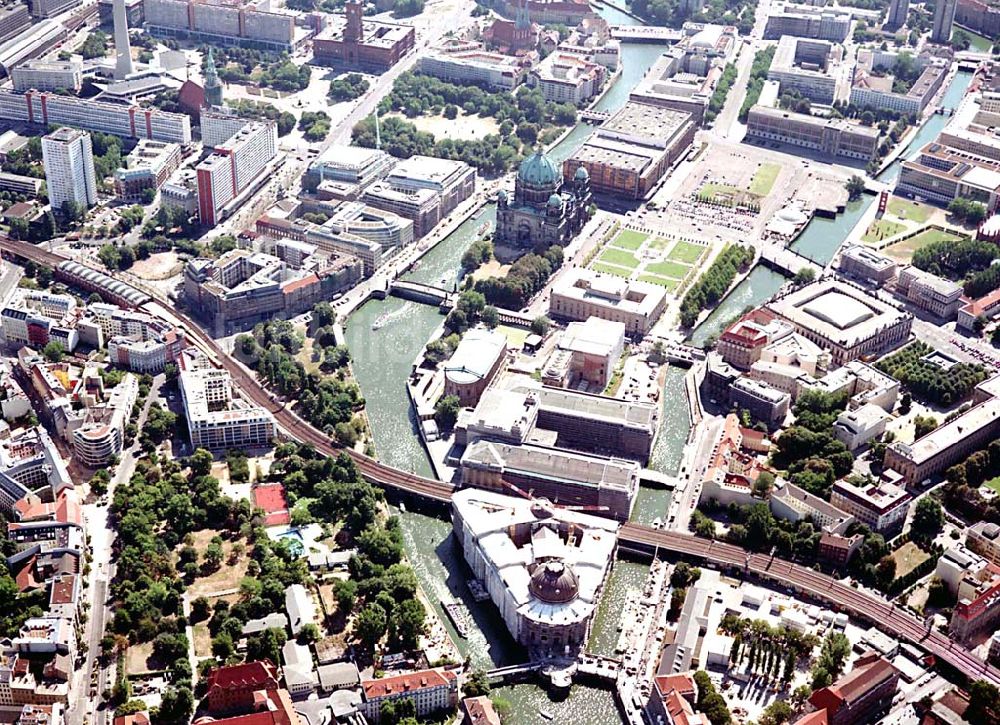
(645, 120)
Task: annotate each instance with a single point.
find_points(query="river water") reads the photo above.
(382, 362)
(823, 236)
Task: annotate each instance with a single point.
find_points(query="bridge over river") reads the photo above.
(633, 537)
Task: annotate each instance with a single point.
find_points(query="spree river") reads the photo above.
(382, 362)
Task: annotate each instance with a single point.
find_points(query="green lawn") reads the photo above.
(668, 269)
(909, 210)
(686, 252)
(670, 284)
(619, 257)
(764, 179)
(993, 483)
(718, 191)
(659, 244)
(515, 335)
(610, 269)
(904, 250)
(628, 239)
(882, 229)
(908, 557)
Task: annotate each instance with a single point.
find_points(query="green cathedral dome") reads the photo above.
(538, 171)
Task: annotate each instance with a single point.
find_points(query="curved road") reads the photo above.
(887, 616)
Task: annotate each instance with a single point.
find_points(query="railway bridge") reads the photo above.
(636, 537)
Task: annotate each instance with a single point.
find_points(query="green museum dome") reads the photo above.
(538, 171)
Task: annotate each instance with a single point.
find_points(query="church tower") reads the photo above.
(213, 86)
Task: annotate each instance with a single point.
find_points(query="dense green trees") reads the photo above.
(928, 519)
(855, 187)
(673, 13)
(245, 108)
(315, 125)
(263, 68)
(712, 285)
(929, 381)
(446, 412)
(94, 46)
(351, 86)
(962, 496)
(709, 701)
(832, 657)
(967, 211)
(984, 703)
(955, 259)
(718, 99)
(479, 253)
(758, 74)
(524, 278)
(770, 652)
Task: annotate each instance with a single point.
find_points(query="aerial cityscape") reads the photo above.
(417, 362)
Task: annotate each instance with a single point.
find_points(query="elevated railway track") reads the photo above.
(637, 537)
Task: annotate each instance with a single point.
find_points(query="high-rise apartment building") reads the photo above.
(68, 158)
(944, 18)
(896, 17)
(225, 174)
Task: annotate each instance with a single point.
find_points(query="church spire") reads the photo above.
(213, 86)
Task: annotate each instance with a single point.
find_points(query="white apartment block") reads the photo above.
(216, 420)
(217, 127)
(224, 175)
(568, 78)
(68, 158)
(128, 121)
(102, 434)
(49, 75)
(492, 70)
(136, 341)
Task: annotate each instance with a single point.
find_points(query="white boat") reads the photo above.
(546, 714)
(381, 321)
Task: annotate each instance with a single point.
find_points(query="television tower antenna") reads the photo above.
(378, 132)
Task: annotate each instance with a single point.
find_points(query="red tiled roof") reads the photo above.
(978, 306)
(814, 718)
(248, 675)
(271, 498)
(298, 284)
(62, 590)
(684, 684)
(480, 711)
(139, 718)
(869, 672)
(411, 682)
(26, 576)
(276, 709)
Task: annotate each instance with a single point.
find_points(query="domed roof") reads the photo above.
(582, 173)
(538, 171)
(792, 215)
(554, 582)
(555, 201)
(502, 195)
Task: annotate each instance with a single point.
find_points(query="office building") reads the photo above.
(870, 90)
(135, 341)
(225, 175)
(952, 441)
(133, 12)
(216, 419)
(454, 181)
(944, 18)
(898, 12)
(805, 66)
(983, 538)
(880, 506)
(543, 566)
(567, 78)
(863, 695)
(433, 692)
(421, 206)
(352, 42)
(791, 503)
(68, 157)
(128, 121)
(978, 609)
(808, 21)
(101, 436)
(941, 297)
(248, 24)
(475, 66)
(147, 166)
(27, 185)
(565, 478)
(587, 352)
(545, 209)
(844, 319)
(631, 151)
(242, 288)
(765, 403)
(858, 427)
(14, 19)
(834, 138)
(478, 358)
(51, 8)
(940, 174)
(49, 75)
(982, 16)
(862, 262)
(347, 169)
(584, 293)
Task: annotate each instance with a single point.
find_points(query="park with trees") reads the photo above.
(929, 381)
(714, 282)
